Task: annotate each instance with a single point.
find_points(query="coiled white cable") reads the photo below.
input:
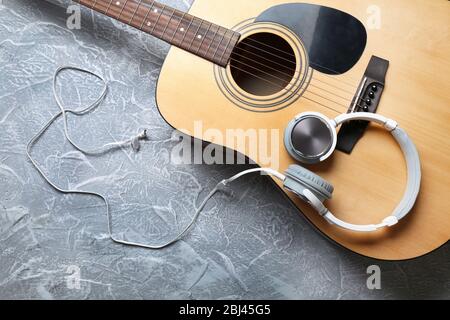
(134, 143)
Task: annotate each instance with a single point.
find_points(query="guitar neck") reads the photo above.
(197, 36)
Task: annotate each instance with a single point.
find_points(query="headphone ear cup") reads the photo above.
(299, 178)
(310, 137)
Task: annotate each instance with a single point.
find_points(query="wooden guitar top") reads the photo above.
(415, 37)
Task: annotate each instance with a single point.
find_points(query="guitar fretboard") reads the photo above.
(195, 35)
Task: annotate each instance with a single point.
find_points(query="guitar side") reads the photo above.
(369, 182)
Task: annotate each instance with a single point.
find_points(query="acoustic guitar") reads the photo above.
(252, 66)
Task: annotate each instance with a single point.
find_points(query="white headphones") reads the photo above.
(311, 137)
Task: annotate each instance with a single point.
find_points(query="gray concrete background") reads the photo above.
(248, 244)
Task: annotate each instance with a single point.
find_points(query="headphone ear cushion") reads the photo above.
(308, 179)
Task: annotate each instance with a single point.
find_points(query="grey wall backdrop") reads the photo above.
(250, 243)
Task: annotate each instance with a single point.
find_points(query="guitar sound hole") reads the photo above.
(263, 64)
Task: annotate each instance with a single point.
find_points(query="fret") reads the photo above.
(121, 10)
(218, 46)
(90, 5)
(226, 47)
(200, 37)
(195, 35)
(104, 6)
(159, 17)
(109, 6)
(212, 40)
(187, 30)
(168, 22)
(149, 21)
(183, 30)
(146, 15)
(228, 53)
(134, 13)
(203, 40)
(177, 27)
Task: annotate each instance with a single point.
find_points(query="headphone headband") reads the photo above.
(409, 152)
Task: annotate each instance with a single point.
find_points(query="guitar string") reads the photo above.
(349, 100)
(284, 66)
(328, 107)
(259, 70)
(134, 13)
(262, 57)
(265, 51)
(145, 4)
(352, 86)
(319, 102)
(292, 91)
(123, 7)
(289, 76)
(293, 55)
(248, 39)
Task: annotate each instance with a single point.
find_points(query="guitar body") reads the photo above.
(369, 182)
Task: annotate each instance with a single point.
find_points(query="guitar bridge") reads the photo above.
(367, 99)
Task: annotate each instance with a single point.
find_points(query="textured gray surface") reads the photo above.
(247, 244)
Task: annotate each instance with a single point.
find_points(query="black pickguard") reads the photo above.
(334, 39)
